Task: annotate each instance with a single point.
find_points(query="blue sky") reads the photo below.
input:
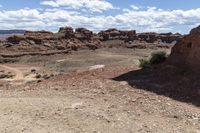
(164, 4)
(142, 15)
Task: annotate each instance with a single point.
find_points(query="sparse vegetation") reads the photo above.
(156, 58)
(144, 63)
(6, 75)
(33, 70)
(38, 76)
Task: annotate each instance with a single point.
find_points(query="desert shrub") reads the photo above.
(33, 70)
(156, 58)
(38, 76)
(144, 63)
(3, 76)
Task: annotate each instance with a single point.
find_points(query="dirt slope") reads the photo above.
(92, 102)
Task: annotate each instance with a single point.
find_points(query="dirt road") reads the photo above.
(18, 73)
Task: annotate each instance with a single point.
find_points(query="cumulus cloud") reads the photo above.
(142, 19)
(135, 7)
(92, 5)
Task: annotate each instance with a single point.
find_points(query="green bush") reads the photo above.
(144, 63)
(38, 76)
(156, 58)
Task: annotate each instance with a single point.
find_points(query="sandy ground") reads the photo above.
(18, 74)
(90, 101)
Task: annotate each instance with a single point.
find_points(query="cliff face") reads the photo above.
(186, 52)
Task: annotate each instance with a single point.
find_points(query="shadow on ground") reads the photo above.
(165, 80)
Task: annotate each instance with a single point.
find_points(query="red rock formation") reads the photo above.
(65, 32)
(38, 36)
(112, 34)
(169, 37)
(148, 37)
(186, 52)
(83, 34)
(152, 37)
(15, 39)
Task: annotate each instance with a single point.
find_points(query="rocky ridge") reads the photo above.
(68, 38)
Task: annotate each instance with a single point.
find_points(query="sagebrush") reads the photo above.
(156, 58)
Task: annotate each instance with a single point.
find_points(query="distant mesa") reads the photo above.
(7, 33)
(12, 32)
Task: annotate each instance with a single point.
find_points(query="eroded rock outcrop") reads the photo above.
(113, 34)
(81, 38)
(148, 37)
(186, 51)
(169, 37)
(83, 34)
(38, 36)
(15, 39)
(152, 37)
(65, 32)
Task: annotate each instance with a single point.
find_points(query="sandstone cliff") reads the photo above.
(186, 52)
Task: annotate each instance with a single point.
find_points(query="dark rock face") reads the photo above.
(15, 39)
(169, 37)
(112, 34)
(186, 52)
(83, 34)
(38, 36)
(151, 37)
(195, 31)
(148, 37)
(66, 32)
(163, 37)
(131, 35)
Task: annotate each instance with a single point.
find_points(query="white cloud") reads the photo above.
(92, 5)
(135, 7)
(149, 19)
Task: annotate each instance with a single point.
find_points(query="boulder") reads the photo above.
(186, 51)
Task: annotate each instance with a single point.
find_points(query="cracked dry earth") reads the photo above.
(91, 102)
